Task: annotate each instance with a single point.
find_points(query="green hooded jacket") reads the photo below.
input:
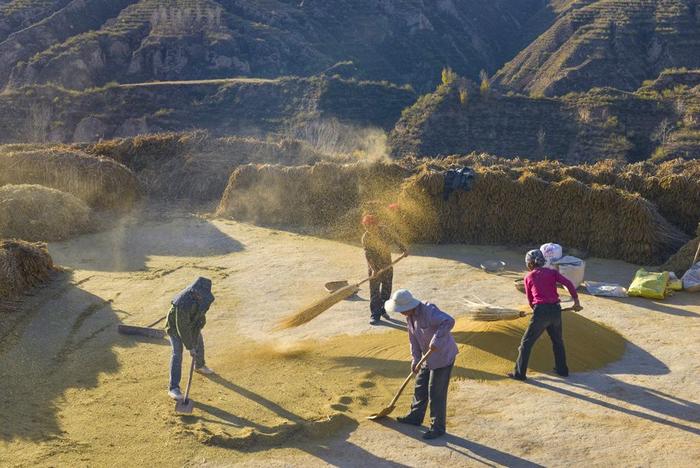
(187, 315)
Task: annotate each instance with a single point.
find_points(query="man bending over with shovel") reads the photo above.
(428, 332)
(186, 319)
(377, 241)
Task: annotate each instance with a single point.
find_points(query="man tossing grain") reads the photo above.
(428, 329)
(541, 289)
(377, 241)
(186, 319)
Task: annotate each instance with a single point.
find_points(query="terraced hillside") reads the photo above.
(660, 123)
(615, 43)
(85, 43)
(235, 106)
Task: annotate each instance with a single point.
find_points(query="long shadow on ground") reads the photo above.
(474, 451)
(647, 399)
(304, 435)
(128, 246)
(67, 344)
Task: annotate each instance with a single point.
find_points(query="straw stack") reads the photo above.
(99, 182)
(22, 266)
(682, 260)
(36, 213)
(318, 196)
(606, 221)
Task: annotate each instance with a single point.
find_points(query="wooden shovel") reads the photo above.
(387, 411)
(186, 405)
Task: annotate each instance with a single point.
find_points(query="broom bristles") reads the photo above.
(486, 313)
(313, 310)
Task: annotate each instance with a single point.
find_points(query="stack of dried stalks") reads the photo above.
(37, 213)
(100, 182)
(674, 186)
(195, 166)
(22, 266)
(325, 195)
(606, 221)
(682, 260)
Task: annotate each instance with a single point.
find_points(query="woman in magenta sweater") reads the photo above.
(541, 289)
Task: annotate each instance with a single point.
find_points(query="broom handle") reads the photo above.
(156, 322)
(383, 270)
(697, 255)
(408, 379)
(525, 314)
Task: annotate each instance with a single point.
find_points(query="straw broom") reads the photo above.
(313, 310)
(483, 312)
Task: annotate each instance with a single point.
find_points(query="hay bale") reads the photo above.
(100, 182)
(23, 265)
(682, 260)
(195, 166)
(36, 213)
(325, 196)
(606, 221)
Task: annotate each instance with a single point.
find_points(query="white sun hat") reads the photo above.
(401, 301)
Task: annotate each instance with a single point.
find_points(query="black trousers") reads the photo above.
(380, 292)
(431, 387)
(545, 317)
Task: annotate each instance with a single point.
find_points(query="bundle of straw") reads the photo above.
(99, 182)
(22, 266)
(483, 312)
(36, 213)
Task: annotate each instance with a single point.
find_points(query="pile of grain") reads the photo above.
(320, 196)
(606, 221)
(36, 213)
(23, 265)
(100, 182)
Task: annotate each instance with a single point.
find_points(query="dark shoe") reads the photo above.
(429, 435)
(408, 420)
(516, 377)
(375, 321)
(561, 374)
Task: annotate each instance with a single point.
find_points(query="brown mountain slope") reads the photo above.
(584, 127)
(615, 43)
(228, 107)
(404, 41)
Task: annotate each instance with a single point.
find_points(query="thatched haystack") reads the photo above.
(606, 221)
(681, 260)
(195, 166)
(22, 265)
(673, 186)
(320, 196)
(37, 213)
(100, 182)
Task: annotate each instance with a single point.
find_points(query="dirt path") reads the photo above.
(74, 392)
